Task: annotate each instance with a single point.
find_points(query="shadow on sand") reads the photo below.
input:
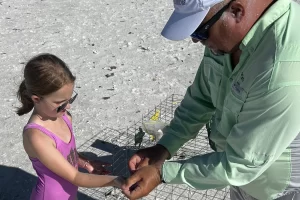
(117, 156)
(16, 184)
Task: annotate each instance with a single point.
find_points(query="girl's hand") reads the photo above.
(97, 167)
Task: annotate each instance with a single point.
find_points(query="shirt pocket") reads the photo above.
(213, 72)
(231, 110)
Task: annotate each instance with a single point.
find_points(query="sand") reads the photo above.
(124, 67)
(93, 37)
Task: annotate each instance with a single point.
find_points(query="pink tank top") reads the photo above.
(49, 185)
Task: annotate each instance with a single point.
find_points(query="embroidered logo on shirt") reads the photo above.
(238, 84)
(237, 87)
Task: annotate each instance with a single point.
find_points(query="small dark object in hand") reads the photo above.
(133, 187)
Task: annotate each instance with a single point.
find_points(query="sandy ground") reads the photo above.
(124, 67)
(95, 38)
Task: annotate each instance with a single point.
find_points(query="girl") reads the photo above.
(48, 139)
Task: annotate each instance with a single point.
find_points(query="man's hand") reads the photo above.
(155, 155)
(145, 166)
(142, 182)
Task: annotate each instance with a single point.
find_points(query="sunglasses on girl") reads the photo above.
(64, 105)
(202, 32)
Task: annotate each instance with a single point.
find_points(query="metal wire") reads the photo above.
(116, 147)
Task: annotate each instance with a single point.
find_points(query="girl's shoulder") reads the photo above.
(36, 131)
(33, 133)
(34, 140)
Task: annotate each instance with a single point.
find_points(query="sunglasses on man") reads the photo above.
(202, 32)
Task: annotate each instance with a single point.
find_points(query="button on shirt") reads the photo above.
(255, 111)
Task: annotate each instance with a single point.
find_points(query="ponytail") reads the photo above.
(25, 99)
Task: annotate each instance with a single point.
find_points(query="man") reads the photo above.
(248, 83)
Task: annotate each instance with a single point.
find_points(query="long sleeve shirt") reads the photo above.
(255, 109)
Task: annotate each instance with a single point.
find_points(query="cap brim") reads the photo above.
(181, 26)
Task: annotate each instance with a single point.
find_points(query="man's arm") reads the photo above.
(195, 110)
(267, 125)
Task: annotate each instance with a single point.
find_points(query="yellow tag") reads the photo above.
(155, 117)
(152, 138)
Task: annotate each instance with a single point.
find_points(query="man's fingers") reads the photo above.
(127, 193)
(134, 162)
(143, 163)
(135, 186)
(132, 180)
(136, 190)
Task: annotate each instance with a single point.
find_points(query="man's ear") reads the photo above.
(35, 99)
(237, 10)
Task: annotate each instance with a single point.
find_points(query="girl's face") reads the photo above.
(56, 103)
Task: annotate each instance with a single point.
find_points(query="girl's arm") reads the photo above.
(42, 147)
(82, 161)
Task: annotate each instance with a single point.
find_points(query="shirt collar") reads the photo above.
(254, 36)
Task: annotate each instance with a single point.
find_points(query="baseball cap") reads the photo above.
(187, 16)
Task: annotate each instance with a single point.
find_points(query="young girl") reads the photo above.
(48, 139)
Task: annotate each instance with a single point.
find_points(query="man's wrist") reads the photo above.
(165, 153)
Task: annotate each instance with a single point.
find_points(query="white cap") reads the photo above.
(186, 18)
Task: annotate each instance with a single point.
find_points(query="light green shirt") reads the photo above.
(256, 109)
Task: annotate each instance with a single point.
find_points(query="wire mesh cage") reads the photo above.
(117, 146)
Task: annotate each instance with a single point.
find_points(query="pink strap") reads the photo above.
(42, 129)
